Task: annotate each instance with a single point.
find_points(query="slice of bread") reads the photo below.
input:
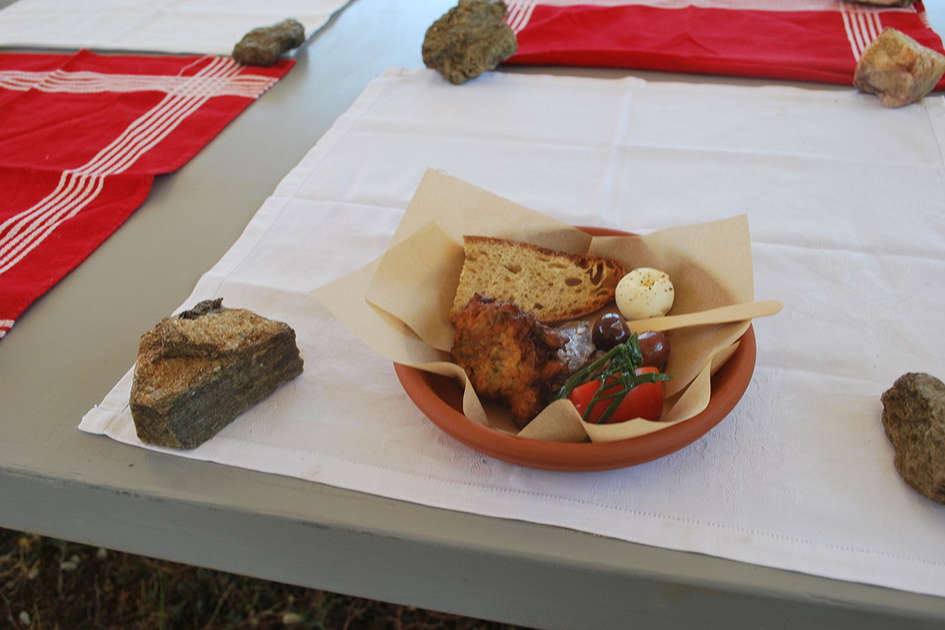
(553, 285)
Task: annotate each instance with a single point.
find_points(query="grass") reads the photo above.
(46, 583)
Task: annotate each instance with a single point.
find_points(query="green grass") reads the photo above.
(51, 584)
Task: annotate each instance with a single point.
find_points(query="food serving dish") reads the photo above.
(440, 398)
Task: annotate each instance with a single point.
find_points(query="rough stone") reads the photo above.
(898, 69)
(264, 45)
(914, 419)
(468, 40)
(198, 371)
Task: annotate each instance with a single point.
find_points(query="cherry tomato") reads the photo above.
(643, 401)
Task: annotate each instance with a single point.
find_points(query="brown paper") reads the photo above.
(399, 304)
(409, 280)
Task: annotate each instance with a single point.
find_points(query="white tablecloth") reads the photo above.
(846, 202)
(175, 26)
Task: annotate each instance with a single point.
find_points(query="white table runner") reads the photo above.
(846, 202)
(175, 26)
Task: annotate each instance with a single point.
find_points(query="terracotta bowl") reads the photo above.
(440, 398)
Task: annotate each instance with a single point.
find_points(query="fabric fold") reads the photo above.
(82, 137)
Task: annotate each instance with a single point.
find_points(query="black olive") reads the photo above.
(610, 330)
(655, 348)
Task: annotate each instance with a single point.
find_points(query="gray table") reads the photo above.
(73, 344)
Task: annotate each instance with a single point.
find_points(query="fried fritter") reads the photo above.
(507, 353)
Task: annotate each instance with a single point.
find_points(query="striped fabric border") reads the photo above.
(862, 26)
(520, 11)
(248, 86)
(79, 187)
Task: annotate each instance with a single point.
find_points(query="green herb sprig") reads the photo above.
(619, 365)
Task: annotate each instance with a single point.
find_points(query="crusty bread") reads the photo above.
(553, 285)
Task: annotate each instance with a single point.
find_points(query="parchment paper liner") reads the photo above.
(398, 305)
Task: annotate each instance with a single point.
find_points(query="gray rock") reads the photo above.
(196, 372)
(468, 40)
(914, 419)
(262, 46)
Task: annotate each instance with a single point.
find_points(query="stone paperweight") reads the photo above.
(914, 419)
(898, 69)
(469, 39)
(264, 45)
(199, 370)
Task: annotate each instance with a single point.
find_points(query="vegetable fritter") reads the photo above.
(507, 354)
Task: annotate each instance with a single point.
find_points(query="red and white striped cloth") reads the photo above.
(82, 137)
(807, 40)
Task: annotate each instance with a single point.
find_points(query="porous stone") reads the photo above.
(898, 69)
(914, 419)
(198, 371)
(468, 40)
(264, 45)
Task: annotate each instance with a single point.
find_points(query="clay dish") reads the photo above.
(440, 398)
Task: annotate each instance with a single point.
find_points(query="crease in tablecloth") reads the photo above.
(799, 476)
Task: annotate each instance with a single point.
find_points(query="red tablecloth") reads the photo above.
(81, 138)
(808, 40)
